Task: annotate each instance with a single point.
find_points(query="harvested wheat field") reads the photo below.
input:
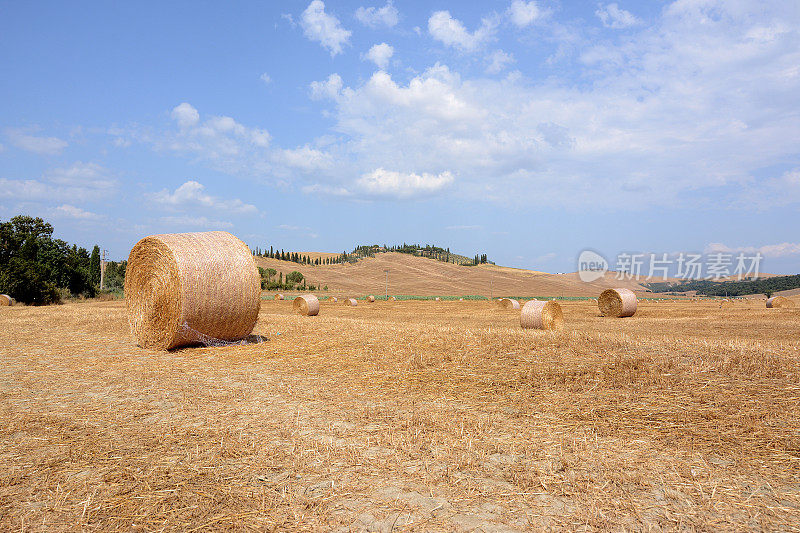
(411, 416)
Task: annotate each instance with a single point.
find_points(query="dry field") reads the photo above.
(423, 276)
(406, 416)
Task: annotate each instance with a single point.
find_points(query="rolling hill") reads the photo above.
(425, 277)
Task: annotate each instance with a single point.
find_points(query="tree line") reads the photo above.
(765, 286)
(369, 250)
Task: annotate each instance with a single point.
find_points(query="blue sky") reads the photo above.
(527, 130)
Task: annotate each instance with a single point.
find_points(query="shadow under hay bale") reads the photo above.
(619, 303)
(180, 283)
(306, 305)
(541, 315)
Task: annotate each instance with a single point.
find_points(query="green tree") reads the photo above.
(94, 266)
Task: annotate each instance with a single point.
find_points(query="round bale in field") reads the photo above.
(370, 298)
(183, 287)
(306, 305)
(508, 303)
(333, 299)
(278, 296)
(779, 302)
(351, 302)
(438, 299)
(617, 302)
(392, 298)
(6, 300)
(541, 315)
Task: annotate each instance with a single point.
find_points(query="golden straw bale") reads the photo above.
(617, 302)
(278, 296)
(392, 298)
(5, 300)
(306, 305)
(541, 315)
(181, 286)
(508, 303)
(437, 299)
(351, 302)
(370, 298)
(779, 302)
(333, 299)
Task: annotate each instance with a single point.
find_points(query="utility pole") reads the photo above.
(386, 271)
(103, 269)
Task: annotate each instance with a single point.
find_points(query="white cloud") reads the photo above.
(265, 78)
(70, 211)
(196, 222)
(376, 17)
(783, 249)
(682, 113)
(32, 143)
(523, 13)
(324, 28)
(612, 16)
(80, 182)
(327, 89)
(451, 32)
(304, 158)
(498, 61)
(191, 194)
(387, 183)
(185, 115)
(380, 54)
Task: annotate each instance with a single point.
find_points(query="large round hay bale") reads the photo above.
(351, 302)
(6, 300)
(182, 288)
(779, 302)
(370, 298)
(278, 296)
(617, 302)
(306, 305)
(508, 303)
(541, 315)
(333, 299)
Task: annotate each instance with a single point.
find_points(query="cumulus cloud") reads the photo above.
(451, 32)
(612, 16)
(191, 195)
(185, 115)
(498, 61)
(388, 183)
(326, 89)
(685, 111)
(523, 13)
(32, 143)
(304, 158)
(324, 28)
(380, 54)
(70, 211)
(375, 17)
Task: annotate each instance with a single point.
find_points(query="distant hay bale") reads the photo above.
(779, 302)
(461, 299)
(184, 287)
(306, 305)
(370, 298)
(541, 315)
(437, 299)
(508, 303)
(5, 300)
(351, 302)
(333, 299)
(617, 302)
(392, 298)
(278, 297)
